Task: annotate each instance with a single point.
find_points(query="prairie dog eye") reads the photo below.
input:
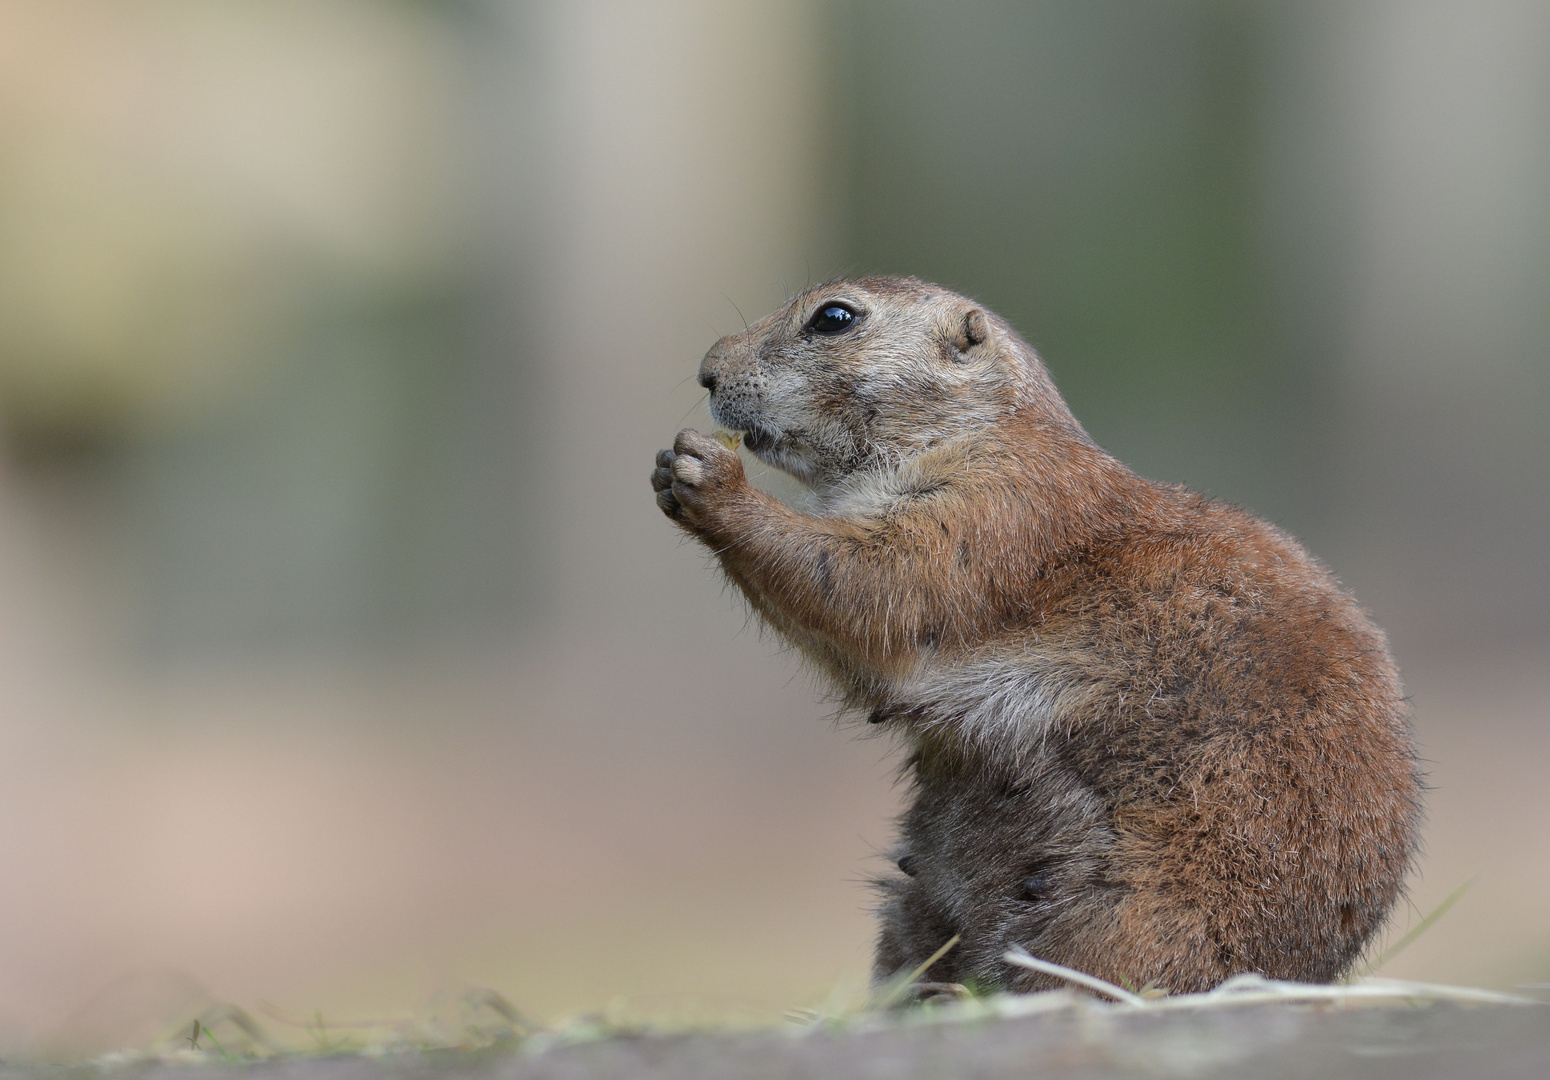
(832, 318)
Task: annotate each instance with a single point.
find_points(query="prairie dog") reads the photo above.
(1148, 736)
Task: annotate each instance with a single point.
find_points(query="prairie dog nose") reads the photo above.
(715, 358)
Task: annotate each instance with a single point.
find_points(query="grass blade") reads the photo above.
(1419, 928)
(1081, 978)
(899, 986)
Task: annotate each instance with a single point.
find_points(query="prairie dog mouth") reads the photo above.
(759, 439)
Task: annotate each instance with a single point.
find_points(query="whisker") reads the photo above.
(691, 408)
(737, 309)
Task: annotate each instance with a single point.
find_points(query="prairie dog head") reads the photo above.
(855, 376)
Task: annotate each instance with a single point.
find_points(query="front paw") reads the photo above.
(695, 476)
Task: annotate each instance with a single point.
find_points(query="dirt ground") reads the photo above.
(1267, 1042)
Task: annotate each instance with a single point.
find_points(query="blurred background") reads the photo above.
(344, 657)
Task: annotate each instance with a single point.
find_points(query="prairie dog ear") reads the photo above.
(967, 330)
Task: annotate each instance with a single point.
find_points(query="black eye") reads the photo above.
(831, 319)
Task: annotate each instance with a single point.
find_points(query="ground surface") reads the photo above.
(1264, 1041)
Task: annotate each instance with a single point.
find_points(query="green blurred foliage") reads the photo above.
(1091, 171)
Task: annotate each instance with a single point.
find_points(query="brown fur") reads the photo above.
(1150, 737)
